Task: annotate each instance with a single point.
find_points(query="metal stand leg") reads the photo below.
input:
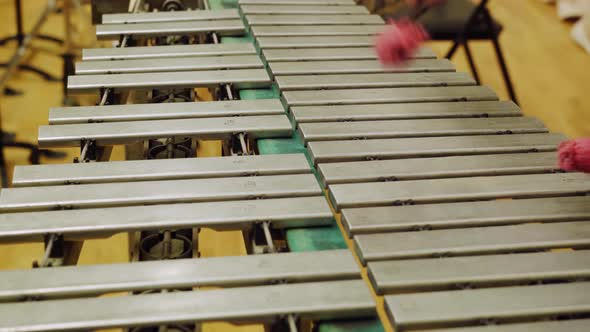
(471, 61)
(452, 50)
(504, 69)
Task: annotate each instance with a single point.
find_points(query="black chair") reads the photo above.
(461, 21)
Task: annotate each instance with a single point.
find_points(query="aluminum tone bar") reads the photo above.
(436, 168)
(329, 131)
(460, 308)
(372, 80)
(164, 111)
(466, 214)
(319, 30)
(167, 51)
(168, 64)
(222, 216)
(333, 53)
(322, 19)
(365, 112)
(359, 67)
(472, 241)
(459, 189)
(397, 148)
(303, 9)
(267, 43)
(253, 270)
(158, 192)
(389, 95)
(436, 274)
(234, 27)
(113, 133)
(172, 16)
(240, 78)
(322, 300)
(159, 169)
(573, 325)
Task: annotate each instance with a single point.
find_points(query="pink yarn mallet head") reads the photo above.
(574, 155)
(399, 41)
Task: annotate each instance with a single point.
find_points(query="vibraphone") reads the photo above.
(452, 199)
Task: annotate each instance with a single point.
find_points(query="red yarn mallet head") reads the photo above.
(399, 41)
(574, 155)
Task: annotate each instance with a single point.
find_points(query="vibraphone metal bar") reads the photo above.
(93, 280)
(465, 214)
(482, 109)
(319, 19)
(164, 111)
(322, 30)
(372, 80)
(302, 9)
(240, 78)
(578, 325)
(333, 53)
(124, 132)
(227, 27)
(297, 2)
(434, 168)
(327, 131)
(330, 300)
(374, 149)
(173, 16)
(441, 309)
(160, 169)
(388, 95)
(167, 51)
(168, 64)
(357, 67)
(315, 42)
(399, 276)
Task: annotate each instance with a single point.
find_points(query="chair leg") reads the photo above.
(471, 62)
(452, 50)
(504, 68)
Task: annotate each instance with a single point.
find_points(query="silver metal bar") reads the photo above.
(477, 271)
(472, 241)
(303, 9)
(358, 67)
(229, 27)
(504, 304)
(333, 53)
(322, 300)
(318, 30)
(168, 64)
(573, 325)
(328, 131)
(297, 2)
(104, 222)
(335, 151)
(321, 19)
(167, 51)
(164, 111)
(219, 271)
(480, 109)
(113, 133)
(436, 168)
(159, 169)
(158, 192)
(470, 214)
(241, 78)
(388, 95)
(171, 16)
(459, 189)
(372, 80)
(267, 43)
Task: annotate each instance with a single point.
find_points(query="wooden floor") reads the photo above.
(551, 75)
